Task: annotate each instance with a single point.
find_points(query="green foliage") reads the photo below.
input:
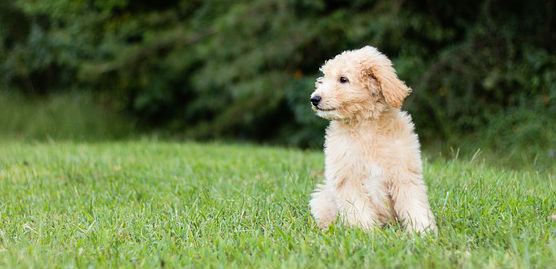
(245, 69)
(144, 204)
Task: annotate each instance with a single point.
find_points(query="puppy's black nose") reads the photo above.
(315, 100)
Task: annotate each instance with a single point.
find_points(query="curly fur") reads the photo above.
(372, 154)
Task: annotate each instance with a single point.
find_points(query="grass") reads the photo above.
(69, 116)
(152, 204)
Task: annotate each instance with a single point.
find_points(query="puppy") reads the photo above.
(372, 155)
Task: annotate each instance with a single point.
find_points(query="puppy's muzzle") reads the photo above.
(315, 100)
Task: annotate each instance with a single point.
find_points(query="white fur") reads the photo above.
(372, 156)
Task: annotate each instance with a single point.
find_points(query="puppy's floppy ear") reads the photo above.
(393, 89)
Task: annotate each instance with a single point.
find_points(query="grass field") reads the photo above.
(154, 204)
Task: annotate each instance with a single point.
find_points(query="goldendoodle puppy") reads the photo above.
(372, 156)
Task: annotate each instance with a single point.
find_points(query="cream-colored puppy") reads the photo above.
(372, 156)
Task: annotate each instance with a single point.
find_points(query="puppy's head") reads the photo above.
(357, 84)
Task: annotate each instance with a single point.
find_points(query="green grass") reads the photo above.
(152, 204)
(68, 116)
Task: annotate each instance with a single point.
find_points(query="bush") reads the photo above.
(245, 69)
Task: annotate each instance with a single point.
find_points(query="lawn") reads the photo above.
(151, 204)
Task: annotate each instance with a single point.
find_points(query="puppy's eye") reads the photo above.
(343, 80)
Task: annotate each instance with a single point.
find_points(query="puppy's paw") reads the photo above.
(422, 227)
(323, 209)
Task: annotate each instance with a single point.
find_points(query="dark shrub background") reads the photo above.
(244, 69)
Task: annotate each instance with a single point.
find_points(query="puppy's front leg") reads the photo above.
(323, 206)
(356, 210)
(411, 204)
